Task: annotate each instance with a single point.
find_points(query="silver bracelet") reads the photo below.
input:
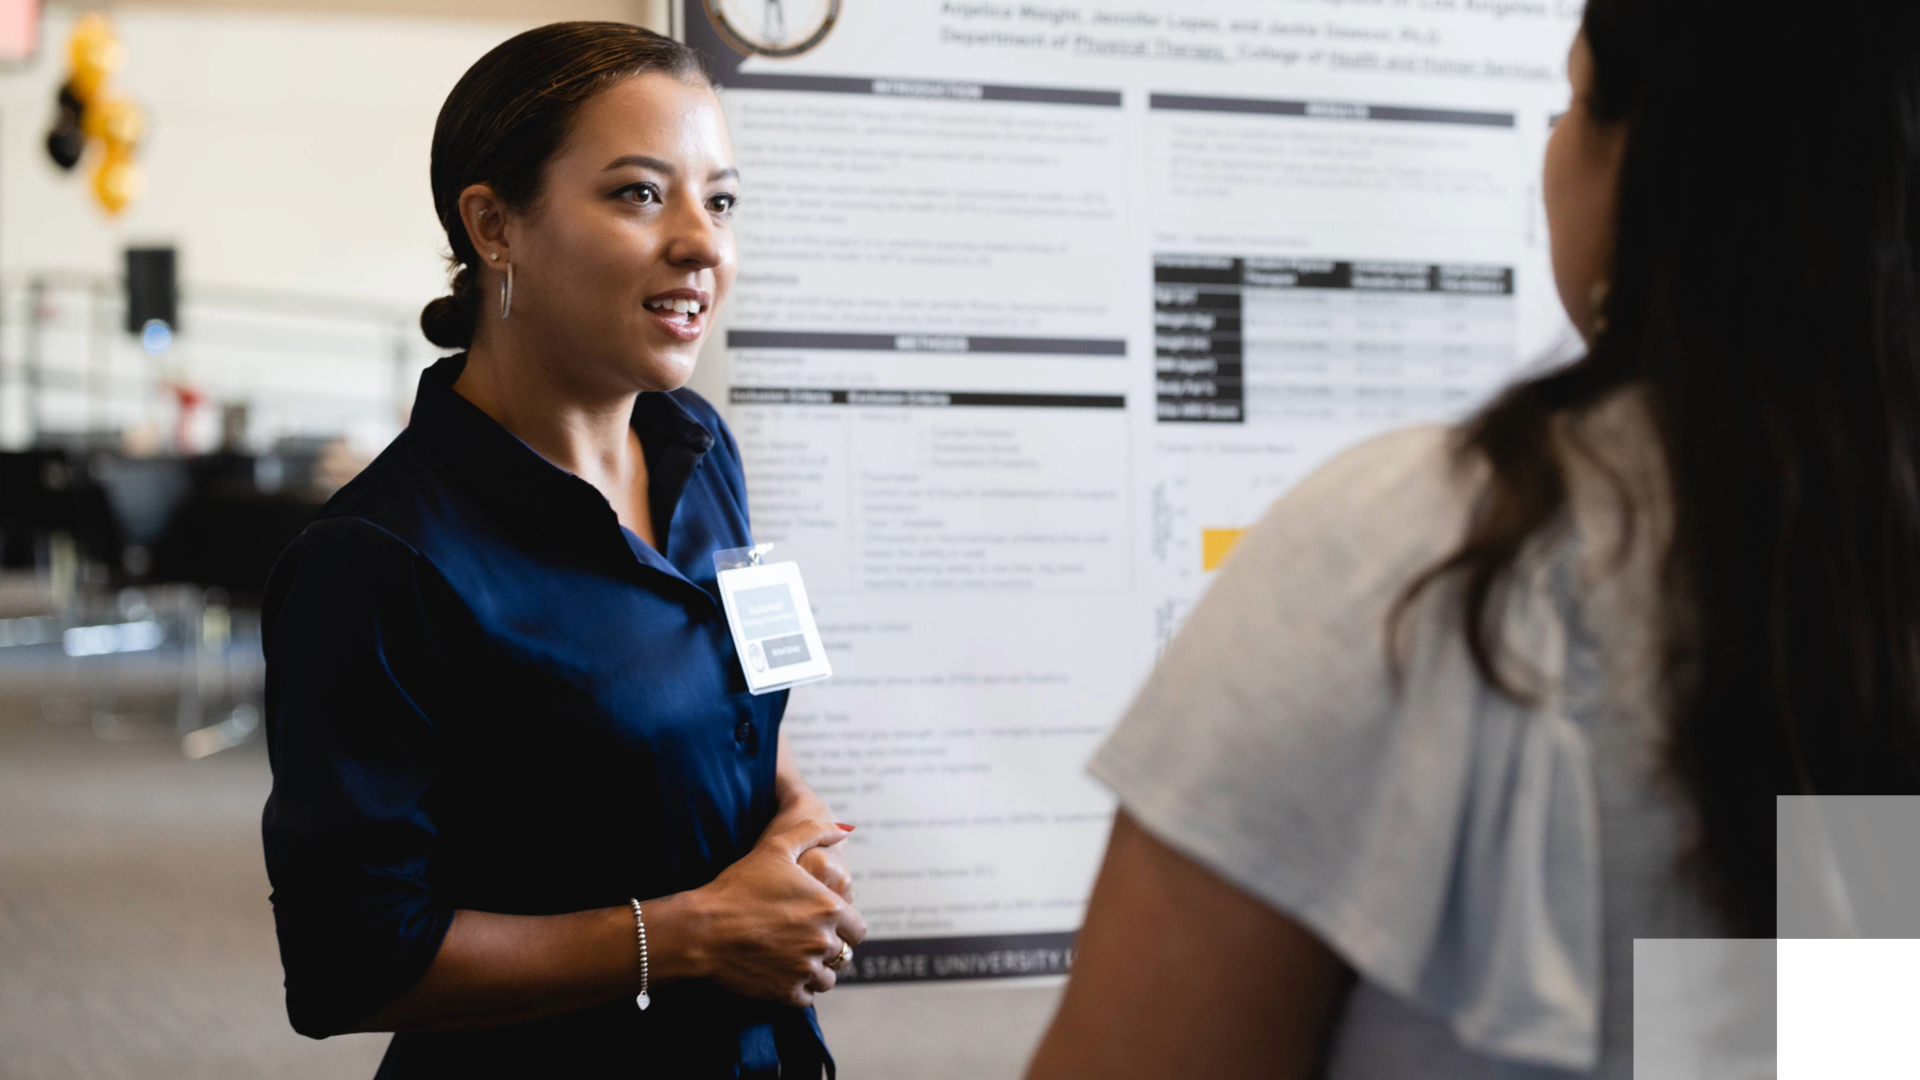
(640, 926)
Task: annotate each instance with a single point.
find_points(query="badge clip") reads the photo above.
(772, 623)
(735, 558)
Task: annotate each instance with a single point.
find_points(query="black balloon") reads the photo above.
(66, 142)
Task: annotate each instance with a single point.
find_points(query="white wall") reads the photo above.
(286, 151)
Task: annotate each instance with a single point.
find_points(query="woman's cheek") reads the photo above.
(1562, 218)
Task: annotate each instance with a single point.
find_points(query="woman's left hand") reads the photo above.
(828, 865)
(798, 803)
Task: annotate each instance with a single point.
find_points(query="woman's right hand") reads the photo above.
(769, 927)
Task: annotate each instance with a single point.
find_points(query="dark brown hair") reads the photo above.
(1765, 293)
(507, 117)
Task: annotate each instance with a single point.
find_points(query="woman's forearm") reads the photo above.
(798, 805)
(796, 797)
(1180, 973)
(497, 969)
(501, 969)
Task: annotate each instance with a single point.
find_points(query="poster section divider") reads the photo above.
(1006, 956)
(924, 343)
(930, 89)
(921, 399)
(1328, 110)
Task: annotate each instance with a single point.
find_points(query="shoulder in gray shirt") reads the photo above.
(1484, 865)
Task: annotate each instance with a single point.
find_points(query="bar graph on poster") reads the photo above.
(1041, 306)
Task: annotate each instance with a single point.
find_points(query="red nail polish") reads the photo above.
(844, 827)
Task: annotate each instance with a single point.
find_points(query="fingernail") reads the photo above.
(844, 827)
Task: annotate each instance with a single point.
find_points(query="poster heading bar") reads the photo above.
(1329, 110)
(923, 343)
(927, 89)
(920, 399)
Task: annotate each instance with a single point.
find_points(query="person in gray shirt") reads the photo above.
(1471, 710)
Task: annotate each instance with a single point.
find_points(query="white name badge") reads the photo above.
(772, 623)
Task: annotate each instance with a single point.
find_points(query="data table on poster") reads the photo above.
(1288, 340)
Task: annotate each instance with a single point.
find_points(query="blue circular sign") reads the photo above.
(156, 337)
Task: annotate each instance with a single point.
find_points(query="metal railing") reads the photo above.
(293, 365)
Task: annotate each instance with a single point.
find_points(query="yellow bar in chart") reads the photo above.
(1216, 545)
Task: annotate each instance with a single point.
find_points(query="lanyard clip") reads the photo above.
(736, 558)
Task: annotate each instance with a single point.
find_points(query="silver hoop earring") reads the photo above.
(1597, 308)
(506, 291)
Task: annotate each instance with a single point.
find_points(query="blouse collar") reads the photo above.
(538, 500)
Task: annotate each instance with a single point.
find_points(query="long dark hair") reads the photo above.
(1765, 293)
(507, 116)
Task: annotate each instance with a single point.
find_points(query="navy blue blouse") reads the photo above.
(483, 692)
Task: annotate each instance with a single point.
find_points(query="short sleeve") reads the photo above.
(353, 681)
(1438, 836)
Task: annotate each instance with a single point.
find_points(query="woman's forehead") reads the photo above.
(652, 115)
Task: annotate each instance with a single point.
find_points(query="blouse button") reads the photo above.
(743, 731)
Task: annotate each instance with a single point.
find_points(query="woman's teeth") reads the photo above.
(677, 307)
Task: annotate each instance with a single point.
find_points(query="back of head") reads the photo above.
(506, 118)
(1765, 290)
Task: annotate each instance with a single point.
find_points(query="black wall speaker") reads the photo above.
(152, 290)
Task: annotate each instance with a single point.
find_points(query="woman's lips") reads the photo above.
(681, 326)
(681, 313)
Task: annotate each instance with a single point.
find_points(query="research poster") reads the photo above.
(1041, 306)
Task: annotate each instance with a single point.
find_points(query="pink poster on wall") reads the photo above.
(19, 30)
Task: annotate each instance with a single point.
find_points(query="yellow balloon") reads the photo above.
(95, 53)
(89, 30)
(125, 127)
(118, 183)
(86, 84)
(114, 119)
(94, 120)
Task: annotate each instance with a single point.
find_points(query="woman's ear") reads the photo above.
(484, 214)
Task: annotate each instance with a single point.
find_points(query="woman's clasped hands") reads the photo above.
(773, 922)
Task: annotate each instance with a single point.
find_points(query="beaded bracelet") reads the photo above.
(640, 926)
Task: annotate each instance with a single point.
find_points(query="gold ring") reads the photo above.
(842, 960)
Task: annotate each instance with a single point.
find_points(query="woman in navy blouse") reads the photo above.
(503, 702)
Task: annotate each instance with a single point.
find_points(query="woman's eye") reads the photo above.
(723, 204)
(643, 194)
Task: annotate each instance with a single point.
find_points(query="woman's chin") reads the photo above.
(666, 369)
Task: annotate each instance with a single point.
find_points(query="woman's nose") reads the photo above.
(693, 241)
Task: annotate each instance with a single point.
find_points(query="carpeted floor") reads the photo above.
(136, 941)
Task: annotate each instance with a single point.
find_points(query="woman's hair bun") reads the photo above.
(449, 321)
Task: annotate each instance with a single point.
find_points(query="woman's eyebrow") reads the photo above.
(641, 161)
(659, 166)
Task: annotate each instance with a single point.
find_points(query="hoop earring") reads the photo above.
(1597, 308)
(506, 292)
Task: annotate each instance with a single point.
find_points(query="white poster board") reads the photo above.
(1040, 305)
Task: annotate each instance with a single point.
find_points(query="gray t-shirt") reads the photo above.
(1483, 864)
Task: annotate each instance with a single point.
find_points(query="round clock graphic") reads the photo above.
(773, 27)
